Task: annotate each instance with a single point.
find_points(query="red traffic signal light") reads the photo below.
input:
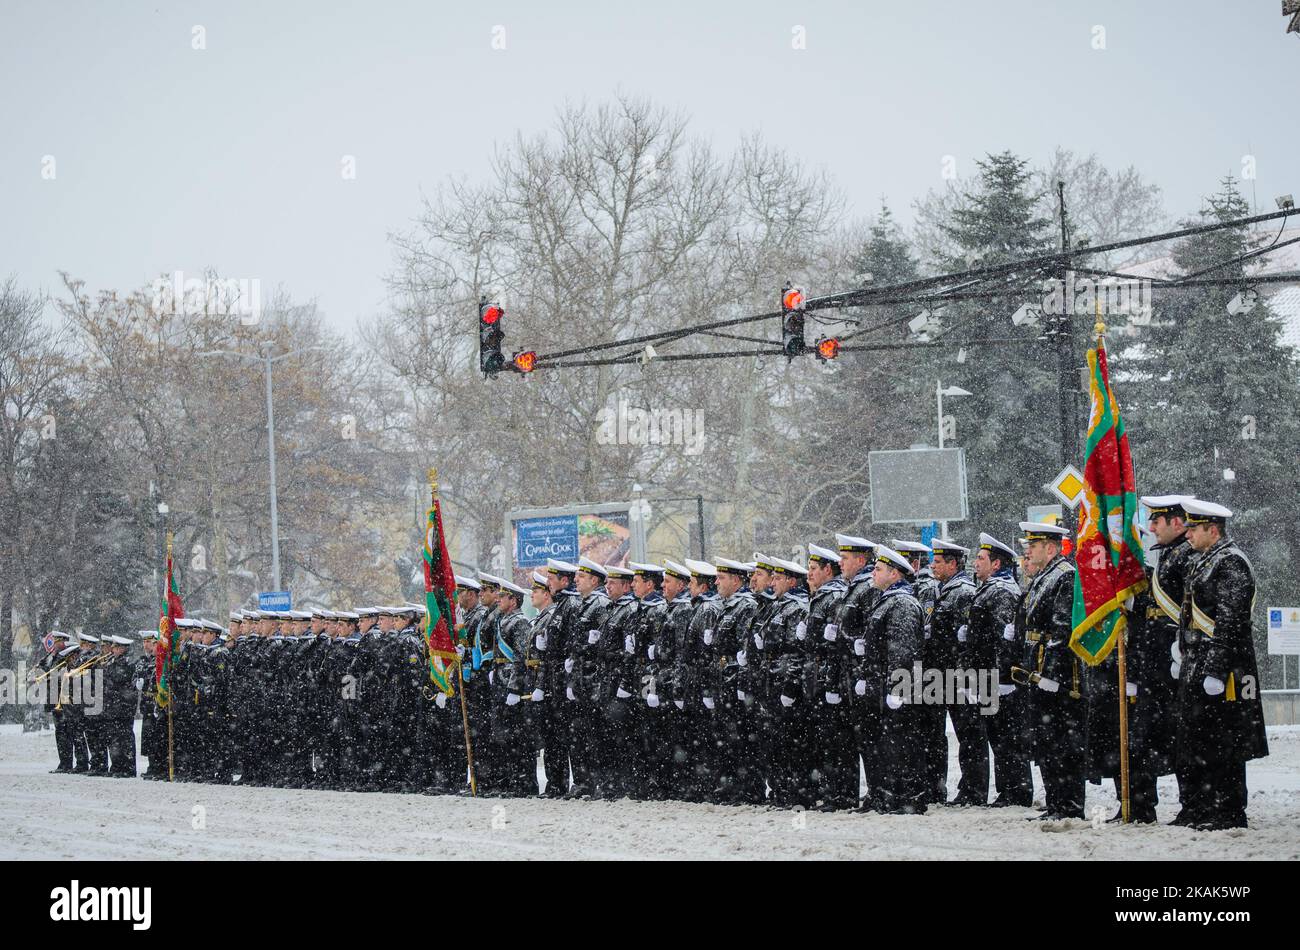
(828, 348)
(792, 338)
(525, 362)
(491, 333)
(792, 298)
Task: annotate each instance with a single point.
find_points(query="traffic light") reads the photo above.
(525, 362)
(792, 321)
(828, 348)
(490, 337)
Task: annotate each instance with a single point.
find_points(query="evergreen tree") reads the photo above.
(1009, 425)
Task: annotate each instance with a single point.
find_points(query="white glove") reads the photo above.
(740, 695)
(758, 641)
(512, 699)
(139, 683)
(1050, 686)
(652, 700)
(568, 665)
(539, 641)
(786, 701)
(440, 700)
(801, 631)
(742, 659)
(961, 633)
(621, 693)
(1009, 631)
(831, 631)
(860, 687)
(1176, 652)
(538, 695)
(894, 702)
(629, 644)
(833, 699)
(927, 631)
(569, 693)
(860, 646)
(708, 638)
(492, 677)
(460, 651)
(1006, 689)
(679, 703)
(593, 636)
(1213, 686)
(650, 652)
(1175, 668)
(708, 702)
(1131, 689)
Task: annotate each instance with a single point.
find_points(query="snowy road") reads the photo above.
(74, 817)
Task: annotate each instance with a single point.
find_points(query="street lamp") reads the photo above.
(939, 393)
(267, 362)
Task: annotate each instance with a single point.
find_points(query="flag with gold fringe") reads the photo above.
(440, 591)
(1109, 558)
(165, 657)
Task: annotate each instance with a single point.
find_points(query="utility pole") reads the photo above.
(1067, 376)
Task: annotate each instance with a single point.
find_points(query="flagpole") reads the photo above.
(1121, 636)
(460, 681)
(171, 632)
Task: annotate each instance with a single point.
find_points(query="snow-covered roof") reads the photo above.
(1285, 260)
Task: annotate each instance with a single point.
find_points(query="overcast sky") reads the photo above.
(167, 157)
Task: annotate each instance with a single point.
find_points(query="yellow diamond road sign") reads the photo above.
(1068, 486)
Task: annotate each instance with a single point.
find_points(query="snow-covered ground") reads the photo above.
(74, 817)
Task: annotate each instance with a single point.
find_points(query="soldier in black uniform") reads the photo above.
(469, 614)
(832, 755)
(782, 642)
(512, 694)
(91, 756)
(615, 715)
(949, 648)
(669, 689)
(478, 690)
(1056, 707)
(645, 645)
(153, 735)
(582, 680)
(553, 741)
(1220, 713)
(697, 676)
(894, 647)
(850, 634)
(739, 776)
(993, 621)
(1154, 654)
(52, 667)
(118, 717)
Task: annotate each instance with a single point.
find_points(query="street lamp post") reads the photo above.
(939, 393)
(267, 362)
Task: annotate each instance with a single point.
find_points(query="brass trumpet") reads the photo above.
(98, 658)
(52, 669)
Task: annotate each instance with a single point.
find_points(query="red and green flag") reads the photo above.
(440, 590)
(172, 610)
(1109, 558)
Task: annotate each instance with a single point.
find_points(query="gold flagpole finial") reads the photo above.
(433, 480)
(169, 544)
(1099, 326)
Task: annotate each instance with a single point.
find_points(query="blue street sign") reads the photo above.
(275, 600)
(536, 539)
(929, 533)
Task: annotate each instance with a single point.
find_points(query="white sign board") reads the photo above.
(917, 486)
(1284, 630)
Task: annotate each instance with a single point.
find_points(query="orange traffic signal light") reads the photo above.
(525, 362)
(828, 348)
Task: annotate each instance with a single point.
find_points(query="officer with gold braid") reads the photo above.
(1052, 671)
(1220, 714)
